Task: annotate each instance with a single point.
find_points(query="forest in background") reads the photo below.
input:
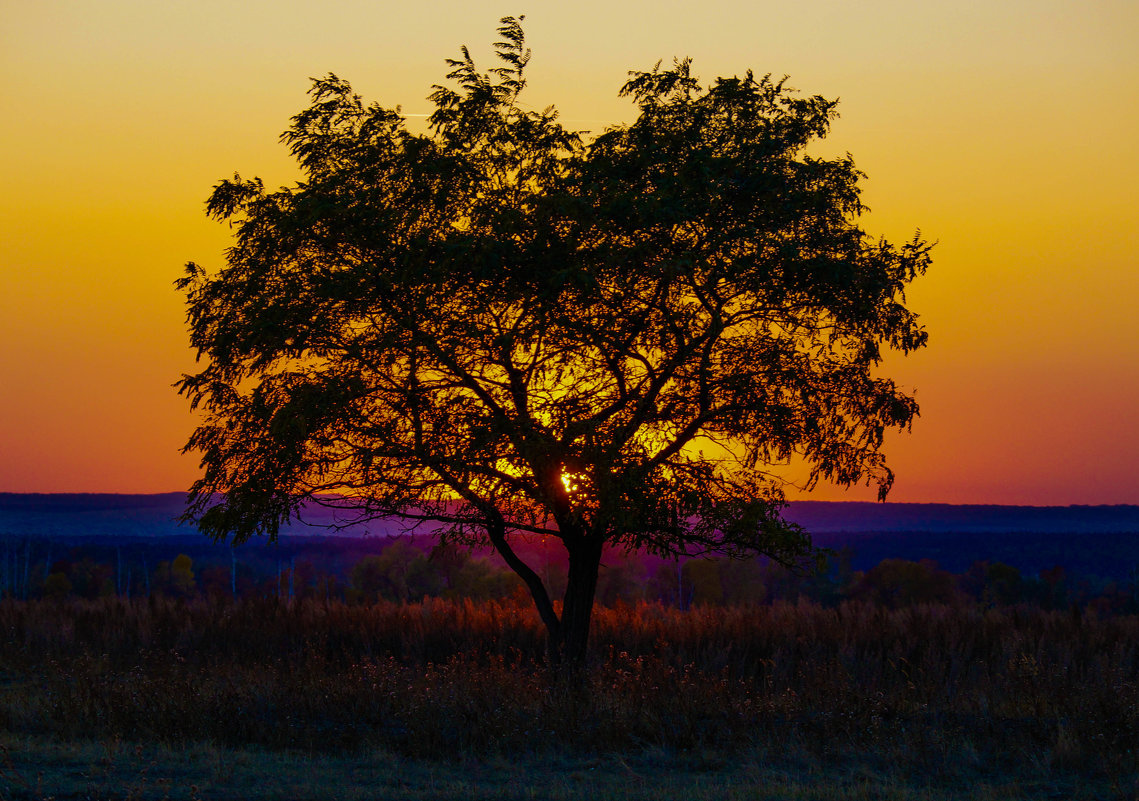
(414, 568)
(90, 546)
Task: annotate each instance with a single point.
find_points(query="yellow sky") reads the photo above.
(1004, 129)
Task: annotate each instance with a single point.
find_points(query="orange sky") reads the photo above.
(1004, 129)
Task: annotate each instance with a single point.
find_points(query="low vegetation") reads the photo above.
(948, 693)
(409, 569)
(137, 670)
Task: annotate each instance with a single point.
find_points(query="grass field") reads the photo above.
(154, 699)
(36, 768)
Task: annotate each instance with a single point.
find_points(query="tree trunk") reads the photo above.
(577, 606)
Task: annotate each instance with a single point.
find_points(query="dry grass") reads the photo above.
(941, 694)
(33, 768)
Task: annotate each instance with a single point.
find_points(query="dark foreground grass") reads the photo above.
(453, 700)
(45, 769)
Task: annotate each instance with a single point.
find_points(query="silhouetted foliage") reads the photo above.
(176, 578)
(900, 582)
(507, 329)
(400, 573)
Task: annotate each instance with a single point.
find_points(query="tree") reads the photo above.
(505, 329)
(399, 573)
(900, 582)
(176, 578)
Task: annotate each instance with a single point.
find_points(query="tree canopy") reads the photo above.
(511, 329)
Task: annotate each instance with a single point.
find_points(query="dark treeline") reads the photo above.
(409, 569)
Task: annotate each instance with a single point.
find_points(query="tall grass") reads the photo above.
(933, 687)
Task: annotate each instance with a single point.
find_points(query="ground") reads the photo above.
(36, 768)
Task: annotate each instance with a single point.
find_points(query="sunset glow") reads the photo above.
(1005, 132)
(569, 482)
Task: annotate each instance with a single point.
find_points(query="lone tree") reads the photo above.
(509, 330)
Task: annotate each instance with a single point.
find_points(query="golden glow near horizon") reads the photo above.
(1004, 130)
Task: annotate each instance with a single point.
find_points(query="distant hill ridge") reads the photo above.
(154, 515)
(1087, 540)
(833, 516)
(86, 501)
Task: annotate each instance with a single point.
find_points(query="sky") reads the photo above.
(1005, 130)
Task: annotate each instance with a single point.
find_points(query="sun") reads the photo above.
(570, 481)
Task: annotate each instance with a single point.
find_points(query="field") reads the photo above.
(154, 698)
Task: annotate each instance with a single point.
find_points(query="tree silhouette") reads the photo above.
(503, 328)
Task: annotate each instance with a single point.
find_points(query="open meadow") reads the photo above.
(154, 698)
